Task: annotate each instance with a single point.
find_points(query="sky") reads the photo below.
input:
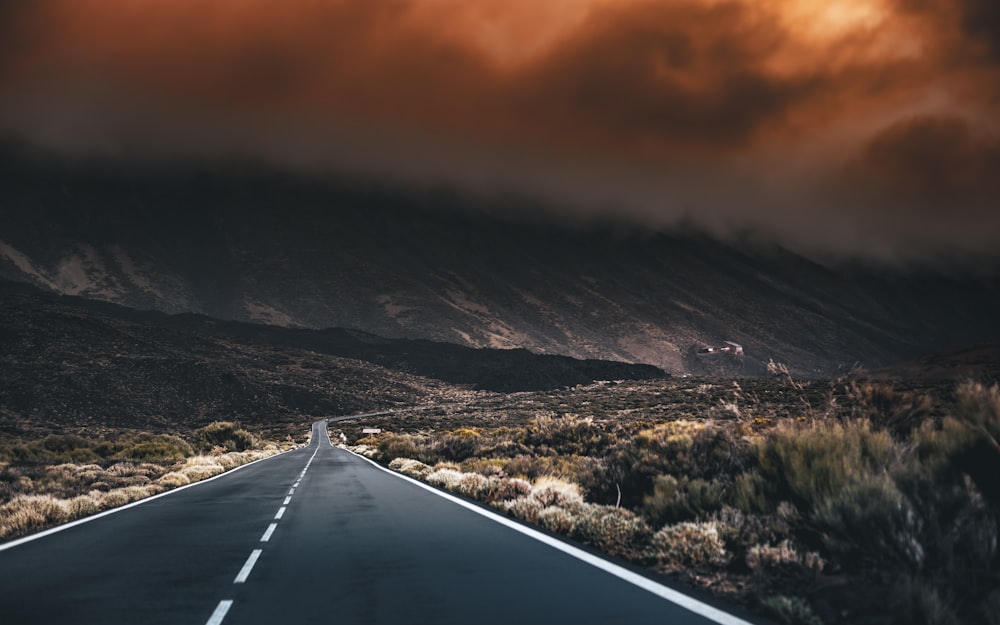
(855, 128)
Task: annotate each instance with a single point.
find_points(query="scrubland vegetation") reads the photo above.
(58, 478)
(849, 501)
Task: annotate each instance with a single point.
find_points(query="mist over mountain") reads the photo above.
(246, 245)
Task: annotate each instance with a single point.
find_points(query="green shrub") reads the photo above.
(790, 610)
(871, 524)
(566, 435)
(227, 435)
(681, 499)
(458, 445)
(808, 464)
(694, 449)
(917, 602)
(155, 448)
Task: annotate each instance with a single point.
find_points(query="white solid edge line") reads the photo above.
(267, 533)
(248, 566)
(220, 612)
(66, 526)
(674, 596)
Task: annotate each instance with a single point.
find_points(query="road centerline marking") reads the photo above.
(288, 500)
(248, 566)
(267, 533)
(220, 612)
(280, 513)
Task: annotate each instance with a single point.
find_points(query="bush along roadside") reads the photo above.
(856, 517)
(61, 478)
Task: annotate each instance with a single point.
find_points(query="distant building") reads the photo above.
(728, 347)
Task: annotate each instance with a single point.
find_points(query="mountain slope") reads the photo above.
(70, 362)
(283, 251)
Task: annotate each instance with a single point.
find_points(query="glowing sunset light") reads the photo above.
(621, 106)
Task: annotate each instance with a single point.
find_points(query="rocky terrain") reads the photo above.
(303, 254)
(71, 365)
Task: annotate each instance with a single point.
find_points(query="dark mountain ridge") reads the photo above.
(281, 251)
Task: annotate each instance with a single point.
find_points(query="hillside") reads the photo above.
(300, 254)
(74, 364)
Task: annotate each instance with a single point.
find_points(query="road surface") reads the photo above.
(317, 535)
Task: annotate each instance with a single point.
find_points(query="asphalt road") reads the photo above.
(346, 542)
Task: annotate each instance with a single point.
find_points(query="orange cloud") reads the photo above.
(649, 106)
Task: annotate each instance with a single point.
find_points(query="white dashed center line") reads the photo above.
(223, 608)
(220, 612)
(248, 566)
(267, 534)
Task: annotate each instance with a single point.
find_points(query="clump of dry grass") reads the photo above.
(689, 544)
(411, 467)
(65, 491)
(28, 513)
(872, 498)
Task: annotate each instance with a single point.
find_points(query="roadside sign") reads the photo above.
(371, 430)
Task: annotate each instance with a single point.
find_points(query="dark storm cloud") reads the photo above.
(937, 160)
(824, 124)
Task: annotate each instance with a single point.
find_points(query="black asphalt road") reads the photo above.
(351, 544)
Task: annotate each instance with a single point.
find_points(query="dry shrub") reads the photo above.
(68, 491)
(471, 485)
(83, 505)
(524, 508)
(761, 558)
(30, 512)
(614, 530)
(689, 544)
(445, 477)
(200, 468)
(784, 567)
(556, 519)
(411, 467)
(508, 488)
(173, 480)
(367, 451)
(553, 491)
(115, 498)
(124, 469)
